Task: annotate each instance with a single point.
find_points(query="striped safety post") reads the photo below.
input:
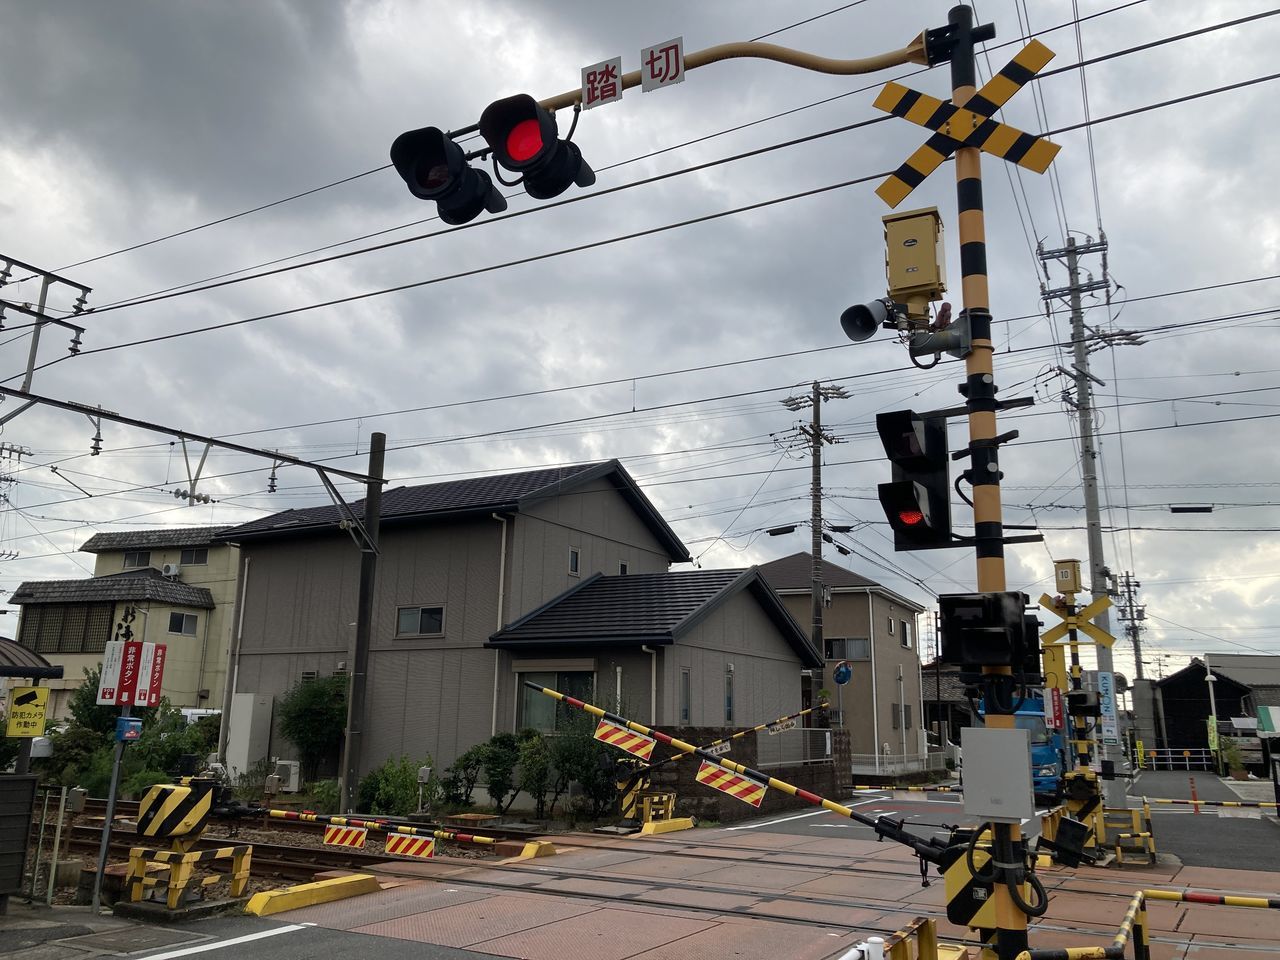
(1255, 804)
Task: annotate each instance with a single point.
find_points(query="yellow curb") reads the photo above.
(309, 894)
(666, 826)
(537, 848)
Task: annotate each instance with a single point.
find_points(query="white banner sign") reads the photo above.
(1107, 702)
(108, 683)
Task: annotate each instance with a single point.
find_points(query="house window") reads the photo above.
(851, 648)
(906, 633)
(137, 558)
(891, 626)
(906, 716)
(896, 714)
(183, 623)
(419, 621)
(540, 712)
(622, 568)
(728, 693)
(575, 561)
(73, 628)
(308, 676)
(195, 556)
(684, 696)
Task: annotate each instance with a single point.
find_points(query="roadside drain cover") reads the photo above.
(132, 939)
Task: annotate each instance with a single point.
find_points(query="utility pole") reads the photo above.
(356, 709)
(1133, 613)
(817, 437)
(1113, 790)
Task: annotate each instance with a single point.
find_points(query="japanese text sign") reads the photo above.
(601, 83)
(662, 64)
(27, 706)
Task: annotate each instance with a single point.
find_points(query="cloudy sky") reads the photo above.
(127, 122)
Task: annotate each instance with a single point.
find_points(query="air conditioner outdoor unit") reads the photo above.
(171, 569)
(290, 774)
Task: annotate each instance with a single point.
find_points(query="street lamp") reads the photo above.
(1210, 679)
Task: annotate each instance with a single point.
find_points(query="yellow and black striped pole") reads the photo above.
(383, 825)
(981, 403)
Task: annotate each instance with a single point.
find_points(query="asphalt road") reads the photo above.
(242, 938)
(1215, 837)
(925, 813)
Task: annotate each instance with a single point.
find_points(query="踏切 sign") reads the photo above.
(601, 83)
(27, 706)
(662, 65)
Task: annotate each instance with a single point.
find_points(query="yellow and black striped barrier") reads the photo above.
(740, 734)
(176, 810)
(181, 865)
(1133, 928)
(383, 825)
(1214, 803)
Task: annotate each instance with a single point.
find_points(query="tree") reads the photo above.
(535, 769)
(313, 715)
(84, 709)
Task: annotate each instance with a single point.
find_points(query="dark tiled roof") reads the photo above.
(152, 539)
(650, 608)
(453, 498)
(952, 688)
(15, 655)
(796, 571)
(147, 585)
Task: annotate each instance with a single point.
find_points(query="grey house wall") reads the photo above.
(429, 694)
(766, 670)
(868, 706)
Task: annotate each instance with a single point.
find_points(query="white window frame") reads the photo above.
(623, 568)
(891, 624)
(420, 607)
(575, 561)
(194, 619)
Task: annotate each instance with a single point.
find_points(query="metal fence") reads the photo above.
(1175, 758)
(894, 764)
(794, 747)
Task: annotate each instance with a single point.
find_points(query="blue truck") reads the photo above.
(1048, 751)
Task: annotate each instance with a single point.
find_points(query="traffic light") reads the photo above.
(524, 140)
(985, 629)
(918, 500)
(435, 168)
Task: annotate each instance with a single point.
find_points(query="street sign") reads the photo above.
(1055, 718)
(1212, 724)
(662, 65)
(602, 83)
(157, 675)
(130, 667)
(783, 726)
(719, 749)
(1107, 703)
(27, 707)
(109, 681)
(142, 689)
(1137, 744)
(971, 126)
(1080, 620)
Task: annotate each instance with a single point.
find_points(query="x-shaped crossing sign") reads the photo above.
(1080, 620)
(968, 126)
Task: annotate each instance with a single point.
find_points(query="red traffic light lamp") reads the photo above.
(524, 139)
(917, 502)
(435, 168)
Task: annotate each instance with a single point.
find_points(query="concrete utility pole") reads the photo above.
(817, 437)
(1133, 613)
(1113, 790)
(356, 709)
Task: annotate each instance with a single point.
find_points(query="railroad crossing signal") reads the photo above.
(970, 126)
(1081, 620)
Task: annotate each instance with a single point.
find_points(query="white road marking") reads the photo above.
(798, 816)
(218, 944)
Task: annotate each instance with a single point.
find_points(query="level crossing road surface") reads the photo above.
(783, 887)
(1243, 838)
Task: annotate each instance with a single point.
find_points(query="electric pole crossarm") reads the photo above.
(182, 434)
(350, 521)
(53, 277)
(914, 52)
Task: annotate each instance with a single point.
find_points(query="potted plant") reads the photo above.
(822, 710)
(1235, 762)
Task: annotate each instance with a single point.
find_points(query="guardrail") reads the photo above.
(893, 764)
(1178, 758)
(794, 747)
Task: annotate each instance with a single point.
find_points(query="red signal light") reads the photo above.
(525, 140)
(910, 517)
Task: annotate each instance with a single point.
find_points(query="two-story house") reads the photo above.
(181, 585)
(875, 630)
(462, 563)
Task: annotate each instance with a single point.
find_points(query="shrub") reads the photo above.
(459, 781)
(392, 789)
(313, 716)
(326, 795)
(536, 774)
(501, 754)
